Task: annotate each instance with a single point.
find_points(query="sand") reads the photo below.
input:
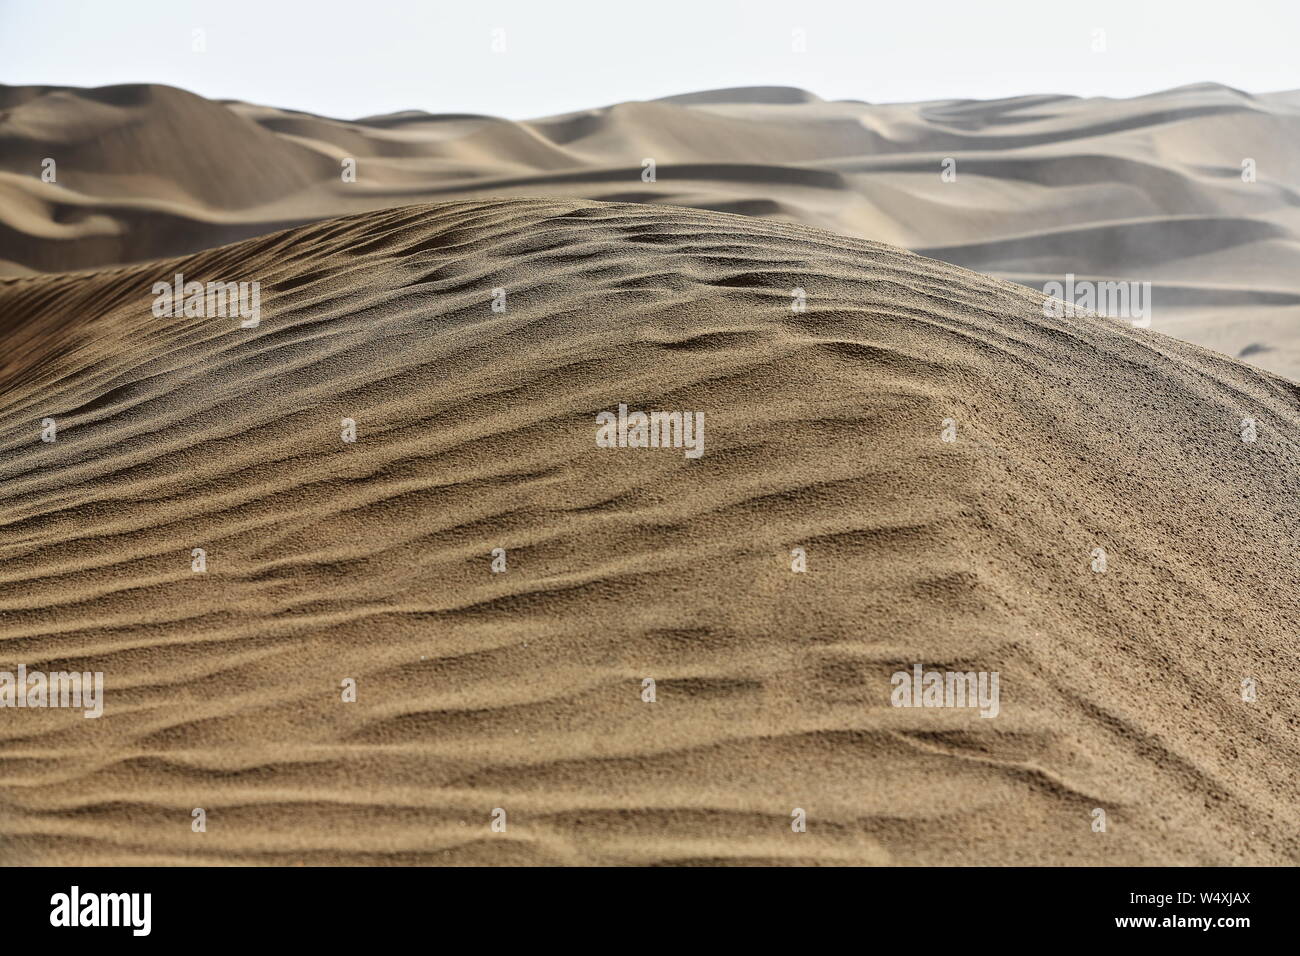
(523, 690)
(1148, 189)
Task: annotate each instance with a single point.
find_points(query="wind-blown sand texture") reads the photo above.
(1148, 189)
(522, 690)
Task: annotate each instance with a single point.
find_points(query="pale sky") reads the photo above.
(352, 59)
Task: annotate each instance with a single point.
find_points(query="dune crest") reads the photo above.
(1195, 190)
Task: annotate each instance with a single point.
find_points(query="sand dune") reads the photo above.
(1145, 190)
(475, 430)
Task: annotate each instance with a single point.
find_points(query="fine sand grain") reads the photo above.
(475, 430)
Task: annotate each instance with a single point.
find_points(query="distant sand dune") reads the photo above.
(522, 690)
(1148, 189)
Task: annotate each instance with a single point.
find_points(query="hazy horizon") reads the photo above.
(662, 96)
(519, 61)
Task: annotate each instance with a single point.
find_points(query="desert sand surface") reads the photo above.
(522, 690)
(1148, 189)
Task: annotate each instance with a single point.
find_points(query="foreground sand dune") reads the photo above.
(1149, 189)
(522, 690)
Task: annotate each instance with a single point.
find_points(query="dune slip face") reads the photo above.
(365, 586)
